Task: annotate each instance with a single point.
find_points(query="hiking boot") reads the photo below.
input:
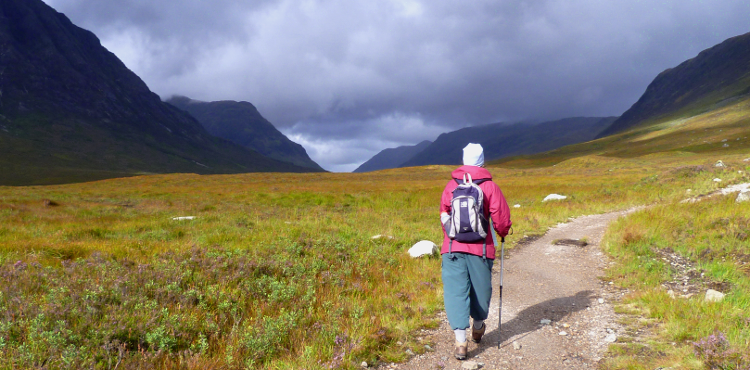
(461, 349)
(476, 335)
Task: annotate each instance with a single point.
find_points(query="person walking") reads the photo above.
(467, 266)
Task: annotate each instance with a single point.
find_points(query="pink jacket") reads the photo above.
(494, 205)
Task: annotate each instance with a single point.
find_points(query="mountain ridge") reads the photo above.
(716, 74)
(392, 157)
(241, 123)
(508, 139)
(71, 108)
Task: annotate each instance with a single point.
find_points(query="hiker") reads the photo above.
(467, 266)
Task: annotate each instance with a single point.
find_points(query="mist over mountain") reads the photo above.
(392, 157)
(503, 139)
(72, 111)
(242, 124)
(715, 76)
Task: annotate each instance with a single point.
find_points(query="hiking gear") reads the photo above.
(460, 335)
(467, 288)
(494, 205)
(467, 222)
(474, 155)
(476, 335)
(461, 349)
(500, 301)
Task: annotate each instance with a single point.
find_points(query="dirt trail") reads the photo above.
(543, 281)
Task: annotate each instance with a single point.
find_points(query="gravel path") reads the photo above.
(543, 280)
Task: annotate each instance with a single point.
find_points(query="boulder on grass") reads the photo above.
(743, 196)
(423, 248)
(554, 197)
(714, 296)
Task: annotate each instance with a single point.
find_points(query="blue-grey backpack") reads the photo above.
(467, 222)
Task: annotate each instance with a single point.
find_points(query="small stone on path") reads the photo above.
(611, 338)
(363, 364)
(470, 365)
(516, 345)
(545, 321)
(563, 333)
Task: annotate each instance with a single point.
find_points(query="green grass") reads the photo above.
(274, 272)
(279, 271)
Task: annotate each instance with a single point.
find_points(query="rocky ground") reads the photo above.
(557, 312)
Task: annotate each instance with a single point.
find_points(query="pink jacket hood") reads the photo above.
(475, 172)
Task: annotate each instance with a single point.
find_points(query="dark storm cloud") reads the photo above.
(347, 78)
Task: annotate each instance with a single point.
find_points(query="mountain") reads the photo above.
(242, 124)
(716, 76)
(72, 111)
(504, 139)
(392, 157)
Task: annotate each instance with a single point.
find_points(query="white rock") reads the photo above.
(601, 300)
(375, 237)
(423, 248)
(516, 345)
(363, 364)
(545, 321)
(717, 180)
(554, 197)
(183, 218)
(714, 296)
(746, 160)
(517, 206)
(671, 294)
(725, 146)
(470, 365)
(563, 333)
(743, 197)
(719, 163)
(611, 338)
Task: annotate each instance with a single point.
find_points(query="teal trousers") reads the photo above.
(467, 288)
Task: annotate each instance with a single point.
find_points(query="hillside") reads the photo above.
(392, 157)
(701, 106)
(242, 124)
(503, 140)
(72, 111)
(714, 77)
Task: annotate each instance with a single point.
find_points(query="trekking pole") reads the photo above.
(500, 303)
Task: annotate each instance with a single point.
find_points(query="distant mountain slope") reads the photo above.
(392, 157)
(503, 140)
(71, 111)
(715, 76)
(242, 124)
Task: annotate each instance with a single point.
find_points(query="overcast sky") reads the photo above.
(348, 78)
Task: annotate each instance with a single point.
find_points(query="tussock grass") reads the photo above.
(275, 271)
(711, 236)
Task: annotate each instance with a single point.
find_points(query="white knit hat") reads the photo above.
(474, 155)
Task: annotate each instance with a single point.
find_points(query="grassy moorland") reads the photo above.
(279, 271)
